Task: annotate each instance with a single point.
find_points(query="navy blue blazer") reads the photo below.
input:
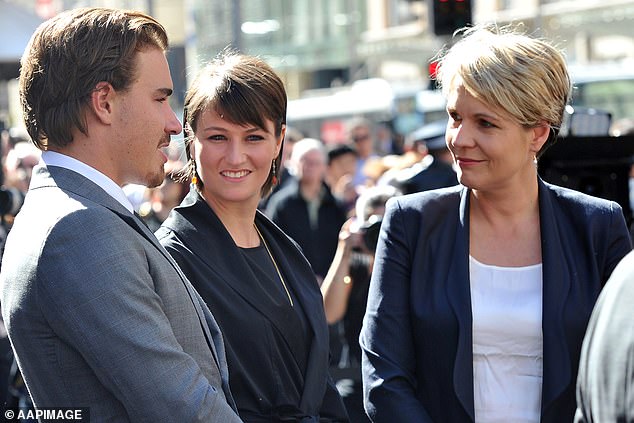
(417, 332)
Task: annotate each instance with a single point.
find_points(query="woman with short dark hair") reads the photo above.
(259, 285)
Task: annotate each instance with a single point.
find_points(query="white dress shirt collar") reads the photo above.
(52, 158)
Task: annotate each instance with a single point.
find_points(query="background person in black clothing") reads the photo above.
(345, 291)
(306, 210)
(433, 170)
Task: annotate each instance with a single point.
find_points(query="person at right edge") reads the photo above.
(254, 277)
(481, 293)
(605, 384)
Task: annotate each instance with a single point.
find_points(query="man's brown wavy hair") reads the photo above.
(68, 56)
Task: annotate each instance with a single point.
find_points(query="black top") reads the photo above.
(269, 282)
(353, 318)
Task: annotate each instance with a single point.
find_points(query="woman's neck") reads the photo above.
(505, 230)
(238, 219)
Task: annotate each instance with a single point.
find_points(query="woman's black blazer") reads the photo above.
(209, 257)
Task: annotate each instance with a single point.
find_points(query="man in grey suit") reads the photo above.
(98, 314)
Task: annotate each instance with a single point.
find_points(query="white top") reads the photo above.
(506, 304)
(52, 158)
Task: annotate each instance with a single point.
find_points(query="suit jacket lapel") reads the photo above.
(74, 182)
(459, 295)
(556, 285)
(206, 319)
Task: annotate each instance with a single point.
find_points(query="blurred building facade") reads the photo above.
(316, 44)
(324, 43)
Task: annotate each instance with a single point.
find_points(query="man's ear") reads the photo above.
(101, 101)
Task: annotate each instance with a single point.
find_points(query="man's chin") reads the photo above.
(156, 179)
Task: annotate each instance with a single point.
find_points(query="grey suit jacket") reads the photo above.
(605, 385)
(100, 316)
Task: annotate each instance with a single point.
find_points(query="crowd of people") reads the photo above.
(269, 277)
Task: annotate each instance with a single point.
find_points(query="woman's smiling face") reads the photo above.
(233, 161)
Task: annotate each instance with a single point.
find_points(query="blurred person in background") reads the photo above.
(306, 210)
(345, 290)
(98, 314)
(162, 199)
(285, 175)
(388, 142)
(290, 139)
(19, 164)
(430, 171)
(342, 162)
(625, 128)
(481, 293)
(361, 138)
(19, 156)
(261, 288)
(15, 178)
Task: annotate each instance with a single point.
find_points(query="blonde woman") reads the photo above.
(480, 293)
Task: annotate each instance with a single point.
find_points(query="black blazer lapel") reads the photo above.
(198, 223)
(459, 295)
(300, 276)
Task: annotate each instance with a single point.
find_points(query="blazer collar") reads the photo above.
(459, 295)
(556, 285)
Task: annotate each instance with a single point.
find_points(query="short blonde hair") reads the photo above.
(524, 76)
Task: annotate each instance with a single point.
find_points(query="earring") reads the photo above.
(273, 174)
(195, 173)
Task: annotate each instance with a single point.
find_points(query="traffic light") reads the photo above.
(432, 70)
(449, 15)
